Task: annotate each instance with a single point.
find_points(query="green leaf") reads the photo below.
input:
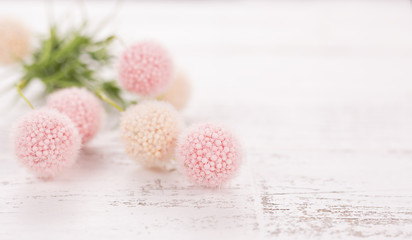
(71, 59)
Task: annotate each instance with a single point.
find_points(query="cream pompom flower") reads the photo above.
(149, 132)
(209, 154)
(178, 93)
(14, 41)
(46, 142)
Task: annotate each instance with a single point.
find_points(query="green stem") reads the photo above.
(109, 17)
(160, 98)
(20, 85)
(103, 97)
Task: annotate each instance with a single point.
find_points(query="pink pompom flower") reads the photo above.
(82, 107)
(149, 132)
(46, 142)
(209, 154)
(146, 68)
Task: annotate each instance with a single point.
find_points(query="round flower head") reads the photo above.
(149, 131)
(14, 41)
(82, 107)
(179, 92)
(46, 142)
(209, 154)
(146, 68)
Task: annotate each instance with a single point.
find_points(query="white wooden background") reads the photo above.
(320, 93)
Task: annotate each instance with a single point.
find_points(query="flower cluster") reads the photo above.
(152, 131)
(48, 140)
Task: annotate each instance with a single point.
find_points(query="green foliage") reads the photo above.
(73, 59)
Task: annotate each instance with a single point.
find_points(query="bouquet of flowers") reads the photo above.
(148, 93)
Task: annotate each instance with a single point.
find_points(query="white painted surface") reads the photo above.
(320, 93)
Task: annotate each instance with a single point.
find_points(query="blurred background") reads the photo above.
(283, 52)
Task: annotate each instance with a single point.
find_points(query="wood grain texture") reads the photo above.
(319, 93)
